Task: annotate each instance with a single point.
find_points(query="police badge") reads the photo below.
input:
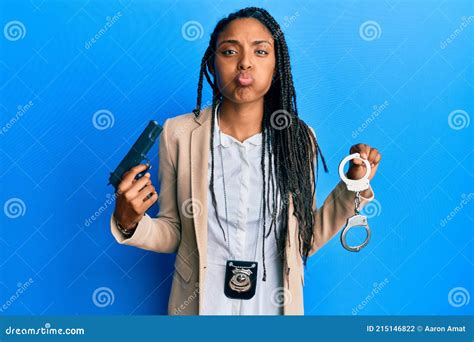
(240, 279)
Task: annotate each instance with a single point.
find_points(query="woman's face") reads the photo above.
(245, 60)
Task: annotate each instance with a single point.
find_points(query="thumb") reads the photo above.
(359, 161)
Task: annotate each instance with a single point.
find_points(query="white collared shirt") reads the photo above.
(244, 186)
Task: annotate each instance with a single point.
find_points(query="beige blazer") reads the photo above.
(181, 225)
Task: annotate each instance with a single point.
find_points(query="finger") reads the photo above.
(134, 188)
(130, 175)
(373, 155)
(359, 148)
(139, 201)
(128, 178)
(378, 158)
(147, 175)
(149, 200)
(147, 169)
(148, 188)
(363, 150)
(355, 149)
(139, 185)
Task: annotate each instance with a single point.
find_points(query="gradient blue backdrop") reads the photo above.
(55, 159)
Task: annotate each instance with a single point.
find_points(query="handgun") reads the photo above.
(137, 153)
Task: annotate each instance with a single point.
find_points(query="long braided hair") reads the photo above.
(286, 137)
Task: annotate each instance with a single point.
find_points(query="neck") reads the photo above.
(241, 120)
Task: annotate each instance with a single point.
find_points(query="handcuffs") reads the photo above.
(356, 185)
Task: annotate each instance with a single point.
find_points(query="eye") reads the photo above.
(228, 52)
(262, 52)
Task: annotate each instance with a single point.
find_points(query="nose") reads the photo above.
(244, 66)
(245, 63)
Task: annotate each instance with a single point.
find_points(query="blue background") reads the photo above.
(56, 161)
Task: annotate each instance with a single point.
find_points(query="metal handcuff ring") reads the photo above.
(356, 185)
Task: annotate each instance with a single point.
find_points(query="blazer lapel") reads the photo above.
(199, 172)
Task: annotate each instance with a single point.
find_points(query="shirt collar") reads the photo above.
(227, 140)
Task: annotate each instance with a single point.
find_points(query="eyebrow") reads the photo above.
(235, 41)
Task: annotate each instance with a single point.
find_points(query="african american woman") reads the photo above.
(237, 198)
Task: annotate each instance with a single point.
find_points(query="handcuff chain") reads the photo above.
(357, 202)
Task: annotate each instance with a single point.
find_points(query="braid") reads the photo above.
(262, 162)
(290, 150)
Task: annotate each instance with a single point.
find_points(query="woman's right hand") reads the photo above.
(132, 197)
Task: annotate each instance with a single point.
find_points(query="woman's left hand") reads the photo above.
(357, 167)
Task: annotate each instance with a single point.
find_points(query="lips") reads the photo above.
(244, 79)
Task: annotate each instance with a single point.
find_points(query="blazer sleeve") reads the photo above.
(333, 214)
(163, 233)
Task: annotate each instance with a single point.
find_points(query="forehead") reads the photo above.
(245, 29)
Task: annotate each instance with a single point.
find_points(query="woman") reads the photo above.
(243, 218)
